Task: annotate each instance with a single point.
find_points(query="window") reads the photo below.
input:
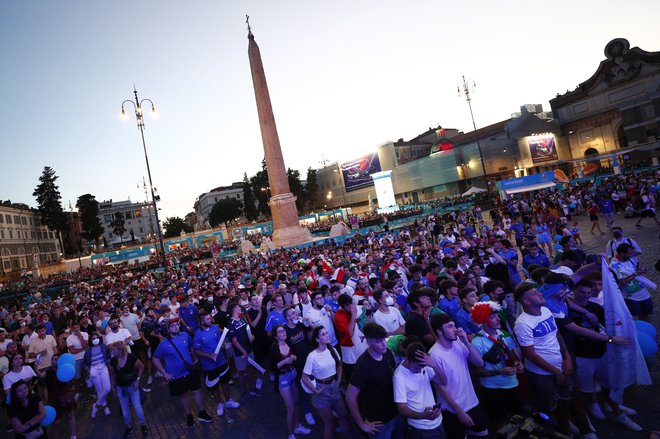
(24, 221)
(11, 235)
(107, 218)
(33, 235)
(8, 218)
(30, 220)
(17, 219)
(2, 234)
(141, 230)
(2, 219)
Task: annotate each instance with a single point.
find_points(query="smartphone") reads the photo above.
(437, 406)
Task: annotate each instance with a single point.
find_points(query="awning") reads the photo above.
(528, 183)
(473, 190)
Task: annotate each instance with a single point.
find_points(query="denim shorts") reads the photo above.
(287, 379)
(328, 395)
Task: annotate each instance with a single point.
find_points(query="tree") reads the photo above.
(48, 201)
(225, 210)
(260, 188)
(296, 187)
(119, 226)
(249, 208)
(174, 225)
(312, 192)
(91, 226)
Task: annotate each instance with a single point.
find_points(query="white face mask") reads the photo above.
(96, 341)
(389, 301)
(209, 299)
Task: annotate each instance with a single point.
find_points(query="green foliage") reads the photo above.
(312, 190)
(174, 225)
(225, 210)
(91, 226)
(260, 189)
(48, 200)
(119, 226)
(297, 188)
(249, 208)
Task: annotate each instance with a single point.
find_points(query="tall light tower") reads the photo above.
(465, 89)
(139, 117)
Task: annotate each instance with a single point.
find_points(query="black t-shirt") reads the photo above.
(222, 319)
(374, 379)
(260, 330)
(24, 414)
(587, 347)
(126, 375)
(297, 338)
(417, 325)
(500, 272)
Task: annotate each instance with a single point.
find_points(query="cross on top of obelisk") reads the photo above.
(247, 20)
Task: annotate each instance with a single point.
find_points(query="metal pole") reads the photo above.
(140, 122)
(468, 98)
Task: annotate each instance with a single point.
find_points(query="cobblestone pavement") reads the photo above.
(263, 416)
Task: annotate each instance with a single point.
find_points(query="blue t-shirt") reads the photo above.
(512, 255)
(464, 321)
(518, 228)
(207, 341)
(165, 352)
(189, 315)
(274, 318)
(606, 206)
(483, 344)
(450, 307)
(540, 259)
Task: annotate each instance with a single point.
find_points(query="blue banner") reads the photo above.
(528, 180)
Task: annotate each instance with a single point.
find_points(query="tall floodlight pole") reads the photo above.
(139, 116)
(466, 89)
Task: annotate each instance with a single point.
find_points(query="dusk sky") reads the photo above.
(344, 77)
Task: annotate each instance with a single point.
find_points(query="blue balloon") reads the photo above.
(647, 343)
(646, 328)
(66, 372)
(66, 359)
(51, 414)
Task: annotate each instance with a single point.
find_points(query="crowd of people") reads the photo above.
(441, 329)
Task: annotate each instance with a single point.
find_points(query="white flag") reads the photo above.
(626, 365)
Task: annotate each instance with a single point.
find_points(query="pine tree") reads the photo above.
(312, 191)
(249, 208)
(119, 226)
(91, 226)
(49, 201)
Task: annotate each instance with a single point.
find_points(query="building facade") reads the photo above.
(617, 109)
(24, 242)
(205, 202)
(139, 222)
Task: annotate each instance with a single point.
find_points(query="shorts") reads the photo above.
(241, 363)
(593, 217)
(547, 392)
(647, 213)
(214, 377)
(640, 307)
(455, 428)
(436, 433)
(287, 379)
(190, 382)
(327, 397)
(590, 372)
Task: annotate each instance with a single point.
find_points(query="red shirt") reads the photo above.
(342, 320)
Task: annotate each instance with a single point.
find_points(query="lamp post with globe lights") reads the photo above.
(139, 116)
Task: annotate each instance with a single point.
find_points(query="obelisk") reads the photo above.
(287, 231)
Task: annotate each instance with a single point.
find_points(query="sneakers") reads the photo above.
(627, 410)
(627, 422)
(300, 429)
(596, 412)
(150, 380)
(106, 410)
(204, 417)
(146, 389)
(128, 431)
(145, 431)
(231, 404)
(94, 410)
(220, 410)
(259, 384)
(309, 419)
(190, 422)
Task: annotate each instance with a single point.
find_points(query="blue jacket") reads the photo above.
(87, 359)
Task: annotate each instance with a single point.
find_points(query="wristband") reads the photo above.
(610, 339)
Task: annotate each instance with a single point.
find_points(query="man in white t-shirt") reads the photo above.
(76, 344)
(27, 339)
(413, 394)
(321, 315)
(42, 348)
(387, 315)
(117, 334)
(547, 361)
(452, 350)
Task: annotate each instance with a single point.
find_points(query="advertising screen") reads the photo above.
(542, 149)
(357, 173)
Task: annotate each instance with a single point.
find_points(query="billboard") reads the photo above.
(542, 149)
(357, 173)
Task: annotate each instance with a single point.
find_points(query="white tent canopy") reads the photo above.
(474, 190)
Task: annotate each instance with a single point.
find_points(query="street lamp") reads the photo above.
(137, 106)
(467, 88)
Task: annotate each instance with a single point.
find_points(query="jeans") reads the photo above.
(101, 380)
(393, 429)
(128, 395)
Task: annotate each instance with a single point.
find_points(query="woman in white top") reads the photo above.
(17, 372)
(324, 366)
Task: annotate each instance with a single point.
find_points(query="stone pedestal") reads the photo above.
(245, 247)
(339, 229)
(266, 245)
(287, 230)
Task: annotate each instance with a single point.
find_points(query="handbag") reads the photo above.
(190, 366)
